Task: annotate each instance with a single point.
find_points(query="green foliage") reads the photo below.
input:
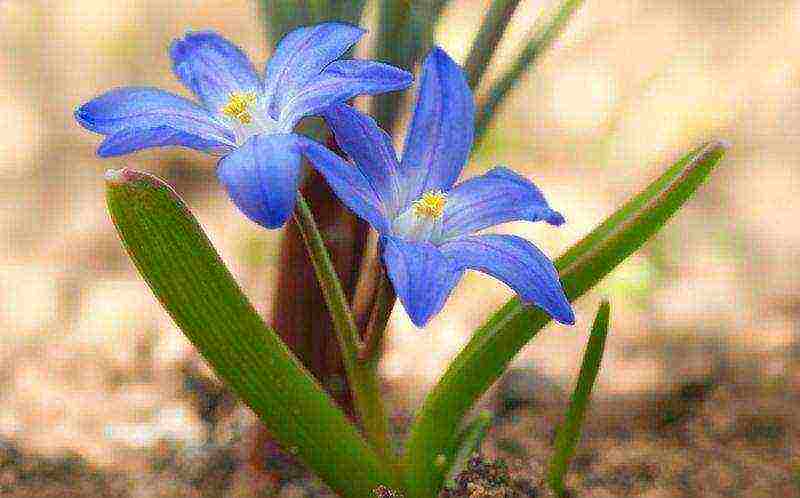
(361, 375)
(186, 274)
(569, 433)
(537, 45)
(494, 24)
(469, 442)
(405, 34)
(495, 344)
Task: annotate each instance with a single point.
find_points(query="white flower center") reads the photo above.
(247, 115)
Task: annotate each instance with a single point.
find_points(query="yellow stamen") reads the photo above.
(431, 204)
(236, 107)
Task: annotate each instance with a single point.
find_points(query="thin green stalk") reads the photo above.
(470, 441)
(376, 328)
(570, 431)
(489, 35)
(540, 42)
(363, 380)
(369, 273)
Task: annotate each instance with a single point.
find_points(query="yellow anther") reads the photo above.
(431, 204)
(237, 106)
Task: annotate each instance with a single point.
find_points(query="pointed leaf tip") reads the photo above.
(115, 176)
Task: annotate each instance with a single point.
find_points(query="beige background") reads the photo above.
(89, 363)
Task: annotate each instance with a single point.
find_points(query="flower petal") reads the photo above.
(133, 139)
(350, 184)
(422, 276)
(301, 55)
(153, 114)
(213, 68)
(518, 263)
(370, 148)
(262, 177)
(440, 135)
(341, 81)
(499, 196)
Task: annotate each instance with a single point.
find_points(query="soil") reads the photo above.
(713, 439)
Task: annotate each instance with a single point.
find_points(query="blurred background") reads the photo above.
(100, 395)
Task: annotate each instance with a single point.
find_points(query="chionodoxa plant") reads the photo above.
(422, 227)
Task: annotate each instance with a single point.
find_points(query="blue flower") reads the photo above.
(426, 223)
(241, 116)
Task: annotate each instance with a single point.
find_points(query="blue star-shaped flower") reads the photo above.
(427, 225)
(243, 117)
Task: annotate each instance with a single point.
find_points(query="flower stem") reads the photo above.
(362, 378)
(376, 327)
(369, 274)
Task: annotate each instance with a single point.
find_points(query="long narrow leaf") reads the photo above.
(491, 31)
(363, 379)
(186, 274)
(569, 433)
(540, 42)
(405, 33)
(469, 442)
(495, 344)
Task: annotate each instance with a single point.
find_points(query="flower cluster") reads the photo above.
(427, 223)
(244, 117)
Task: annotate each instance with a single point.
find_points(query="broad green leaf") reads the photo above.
(542, 39)
(570, 431)
(184, 271)
(495, 344)
(494, 25)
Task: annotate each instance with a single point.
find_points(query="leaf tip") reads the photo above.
(115, 176)
(716, 146)
(722, 143)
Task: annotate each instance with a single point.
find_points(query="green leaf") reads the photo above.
(495, 344)
(404, 35)
(484, 46)
(361, 377)
(569, 433)
(539, 43)
(282, 16)
(469, 442)
(186, 274)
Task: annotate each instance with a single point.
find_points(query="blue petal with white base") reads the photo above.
(262, 177)
(427, 223)
(243, 117)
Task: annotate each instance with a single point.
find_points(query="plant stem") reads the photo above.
(376, 328)
(367, 282)
(362, 379)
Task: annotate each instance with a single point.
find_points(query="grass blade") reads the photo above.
(495, 344)
(184, 271)
(569, 433)
(491, 31)
(405, 34)
(540, 42)
(469, 442)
